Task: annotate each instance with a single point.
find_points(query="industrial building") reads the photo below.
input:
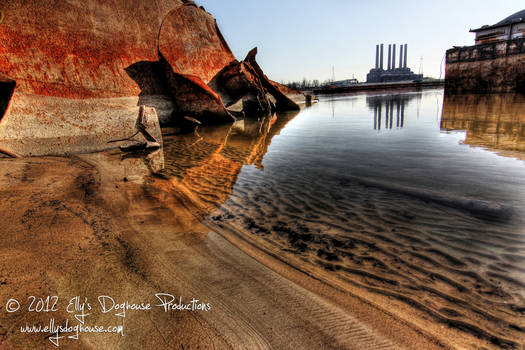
(496, 63)
(392, 73)
(512, 27)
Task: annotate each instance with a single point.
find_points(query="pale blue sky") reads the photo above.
(305, 38)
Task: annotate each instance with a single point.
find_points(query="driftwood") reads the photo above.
(151, 141)
(8, 153)
(193, 120)
(140, 146)
(142, 126)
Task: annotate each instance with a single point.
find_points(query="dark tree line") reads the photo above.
(306, 84)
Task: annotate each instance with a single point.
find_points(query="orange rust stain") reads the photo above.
(191, 44)
(48, 55)
(61, 48)
(198, 81)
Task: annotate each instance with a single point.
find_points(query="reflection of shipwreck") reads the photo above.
(393, 105)
(495, 121)
(83, 69)
(208, 162)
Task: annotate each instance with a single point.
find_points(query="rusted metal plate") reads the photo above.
(194, 98)
(283, 102)
(70, 61)
(40, 125)
(7, 87)
(82, 68)
(79, 49)
(192, 44)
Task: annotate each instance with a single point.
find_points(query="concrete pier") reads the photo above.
(492, 67)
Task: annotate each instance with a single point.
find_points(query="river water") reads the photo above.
(413, 200)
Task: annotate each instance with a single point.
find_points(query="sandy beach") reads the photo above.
(203, 245)
(100, 224)
(162, 187)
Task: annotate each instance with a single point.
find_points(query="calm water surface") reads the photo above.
(409, 195)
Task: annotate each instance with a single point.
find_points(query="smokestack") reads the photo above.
(394, 56)
(377, 56)
(389, 56)
(381, 61)
(401, 56)
(405, 65)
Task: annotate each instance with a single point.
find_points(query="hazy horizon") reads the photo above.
(304, 39)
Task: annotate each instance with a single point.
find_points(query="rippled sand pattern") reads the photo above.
(459, 270)
(209, 161)
(411, 254)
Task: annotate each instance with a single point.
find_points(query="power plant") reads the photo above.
(401, 73)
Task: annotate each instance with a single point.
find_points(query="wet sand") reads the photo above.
(308, 249)
(100, 224)
(448, 263)
(457, 291)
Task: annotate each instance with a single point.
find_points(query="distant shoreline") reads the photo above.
(381, 86)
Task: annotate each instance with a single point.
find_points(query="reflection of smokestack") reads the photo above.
(401, 56)
(405, 65)
(387, 113)
(377, 56)
(389, 56)
(403, 113)
(398, 106)
(391, 114)
(375, 116)
(394, 56)
(379, 116)
(381, 56)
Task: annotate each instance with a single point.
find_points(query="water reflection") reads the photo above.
(495, 121)
(393, 105)
(208, 161)
(399, 216)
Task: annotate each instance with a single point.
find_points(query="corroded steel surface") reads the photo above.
(192, 43)
(78, 49)
(283, 102)
(82, 68)
(192, 97)
(238, 80)
(7, 86)
(43, 125)
(70, 61)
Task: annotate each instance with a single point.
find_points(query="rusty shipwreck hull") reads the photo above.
(69, 62)
(74, 74)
